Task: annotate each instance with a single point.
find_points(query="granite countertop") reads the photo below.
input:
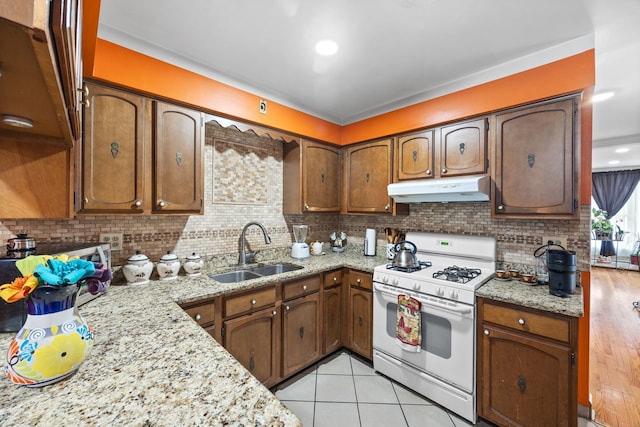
(151, 364)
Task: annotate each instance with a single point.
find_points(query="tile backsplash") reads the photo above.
(243, 182)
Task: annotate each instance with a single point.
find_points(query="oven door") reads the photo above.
(448, 335)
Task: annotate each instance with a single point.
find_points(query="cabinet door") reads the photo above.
(535, 172)
(525, 381)
(414, 155)
(253, 341)
(301, 333)
(114, 131)
(332, 319)
(178, 161)
(368, 172)
(321, 178)
(360, 332)
(463, 148)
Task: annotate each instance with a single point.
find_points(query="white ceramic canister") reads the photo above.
(168, 266)
(193, 265)
(138, 269)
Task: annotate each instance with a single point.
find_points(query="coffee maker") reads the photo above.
(300, 249)
(561, 264)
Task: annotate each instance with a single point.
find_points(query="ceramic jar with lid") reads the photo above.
(168, 266)
(138, 269)
(193, 265)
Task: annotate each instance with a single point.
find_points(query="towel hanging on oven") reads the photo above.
(408, 333)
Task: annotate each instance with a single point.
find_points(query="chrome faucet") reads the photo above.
(243, 245)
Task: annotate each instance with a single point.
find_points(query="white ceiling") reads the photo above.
(392, 53)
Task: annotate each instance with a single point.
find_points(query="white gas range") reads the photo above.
(442, 367)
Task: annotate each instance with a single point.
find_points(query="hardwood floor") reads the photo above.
(614, 357)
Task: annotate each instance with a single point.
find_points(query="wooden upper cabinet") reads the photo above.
(367, 171)
(414, 155)
(177, 147)
(311, 177)
(537, 170)
(114, 140)
(463, 148)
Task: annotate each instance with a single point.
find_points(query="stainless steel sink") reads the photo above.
(254, 273)
(235, 276)
(269, 270)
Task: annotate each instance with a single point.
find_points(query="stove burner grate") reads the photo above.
(420, 266)
(457, 274)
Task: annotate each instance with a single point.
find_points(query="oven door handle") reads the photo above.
(461, 310)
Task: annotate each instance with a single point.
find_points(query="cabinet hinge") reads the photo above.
(573, 360)
(486, 166)
(575, 203)
(486, 125)
(222, 331)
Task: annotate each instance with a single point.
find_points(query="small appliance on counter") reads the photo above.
(559, 270)
(13, 315)
(168, 266)
(300, 249)
(338, 241)
(370, 242)
(138, 269)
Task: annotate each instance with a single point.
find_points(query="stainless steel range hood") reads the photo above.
(462, 189)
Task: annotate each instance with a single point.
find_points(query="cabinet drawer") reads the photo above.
(203, 314)
(248, 302)
(523, 320)
(300, 287)
(360, 279)
(332, 278)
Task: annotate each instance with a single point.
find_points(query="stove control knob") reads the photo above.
(453, 294)
(385, 278)
(416, 286)
(395, 281)
(440, 292)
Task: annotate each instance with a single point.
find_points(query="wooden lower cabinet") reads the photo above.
(254, 341)
(204, 313)
(360, 321)
(301, 340)
(332, 319)
(527, 367)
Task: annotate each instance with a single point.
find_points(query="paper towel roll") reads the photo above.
(370, 242)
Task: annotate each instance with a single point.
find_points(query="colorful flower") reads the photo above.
(62, 354)
(19, 288)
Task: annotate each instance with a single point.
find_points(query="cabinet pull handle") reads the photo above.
(360, 320)
(322, 178)
(304, 287)
(366, 177)
(500, 207)
(115, 149)
(521, 321)
(386, 208)
(287, 308)
(486, 332)
(84, 90)
(138, 203)
(522, 384)
(252, 364)
(414, 155)
(85, 200)
(198, 316)
(253, 302)
(531, 159)
(444, 170)
(306, 207)
(358, 281)
(274, 312)
(462, 147)
(428, 172)
(301, 331)
(161, 204)
(335, 279)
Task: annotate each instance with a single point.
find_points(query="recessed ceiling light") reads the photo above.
(17, 121)
(602, 96)
(326, 47)
(622, 150)
(614, 162)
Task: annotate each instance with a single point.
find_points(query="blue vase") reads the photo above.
(54, 340)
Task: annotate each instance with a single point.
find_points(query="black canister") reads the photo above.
(562, 272)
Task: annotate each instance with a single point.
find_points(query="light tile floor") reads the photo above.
(342, 390)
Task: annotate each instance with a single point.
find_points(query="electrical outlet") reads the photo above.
(557, 240)
(115, 239)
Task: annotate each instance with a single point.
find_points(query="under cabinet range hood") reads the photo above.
(463, 189)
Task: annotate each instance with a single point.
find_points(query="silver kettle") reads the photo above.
(405, 257)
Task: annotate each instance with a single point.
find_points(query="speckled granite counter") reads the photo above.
(537, 297)
(151, 364)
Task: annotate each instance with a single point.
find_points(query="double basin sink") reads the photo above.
(254, 272)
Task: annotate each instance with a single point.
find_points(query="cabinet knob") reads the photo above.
(444, 170)
(386, 208)
(486, 332)
(85, 200)
(335, 279)
(521, 321)
(138, 203)
(360, 320)
(500, 207)
(253, 302)
(304, 287)
(358, 281)
(287, 308)
(274, 312)
(161, 204)
(306, 207)
(198, 316)
(84, 90)
(428, 172)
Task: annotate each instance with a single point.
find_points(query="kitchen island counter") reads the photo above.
(151, 364)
